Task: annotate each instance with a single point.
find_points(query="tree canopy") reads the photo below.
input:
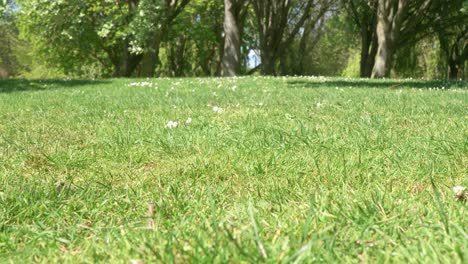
(151, 38)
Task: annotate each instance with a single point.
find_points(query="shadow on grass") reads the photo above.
(18, 85)
(363, 83)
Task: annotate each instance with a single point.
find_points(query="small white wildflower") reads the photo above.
(140, 84)
(187, 247)
(188, 121)
(217, 109)
(234, 88)
(172, 124)
(460, 193)
(319, 104)
(260, 104)
(458, 189)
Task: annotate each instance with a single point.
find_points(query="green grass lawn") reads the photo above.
(285, 170)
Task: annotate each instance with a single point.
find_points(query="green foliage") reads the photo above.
(194, 43)
(464, 9)
(75, 35)
(147, 22)
(95, 39)
(406, 63)
(9, 65)
(352, 67)
(333, 49)
(327, 47)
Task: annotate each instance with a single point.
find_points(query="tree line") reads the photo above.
(148, 38)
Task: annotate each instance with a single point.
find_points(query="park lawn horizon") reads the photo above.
(251, 169)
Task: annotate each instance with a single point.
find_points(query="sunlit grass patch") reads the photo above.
(290, 169)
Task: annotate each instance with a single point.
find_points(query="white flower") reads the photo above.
(458, 189)
(188, 121)
(319, 105)
(172, 124)
(460, 193)
(234, 88)
(217, 109)
(141, 84)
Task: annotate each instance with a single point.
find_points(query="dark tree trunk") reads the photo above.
(151, 57)
(177, 56)
(123, 60)
(457, 56)
(285, 65)
(455, 61)
(277, 30)
(365, 45)
(455, 51)
(126, 66)
(268, 66)
(369, 45)
(364, 15)
(232, 39)
(219, 61)
(371, 57)
(303, 49)
(452, 70)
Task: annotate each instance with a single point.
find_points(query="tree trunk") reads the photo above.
(123, 61)
(305, 38)
(372, 53)
(278, 24)
(453, 62)
(452, 70)
(285, 67)
(457, 57)
(176, 56)
(384, 51)
(232, 41)
(365, 45)
(368, 53)
(454, 57)
(390, 17)
(268, 66)
(369, 45)
(126, 66)
(151, 57)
